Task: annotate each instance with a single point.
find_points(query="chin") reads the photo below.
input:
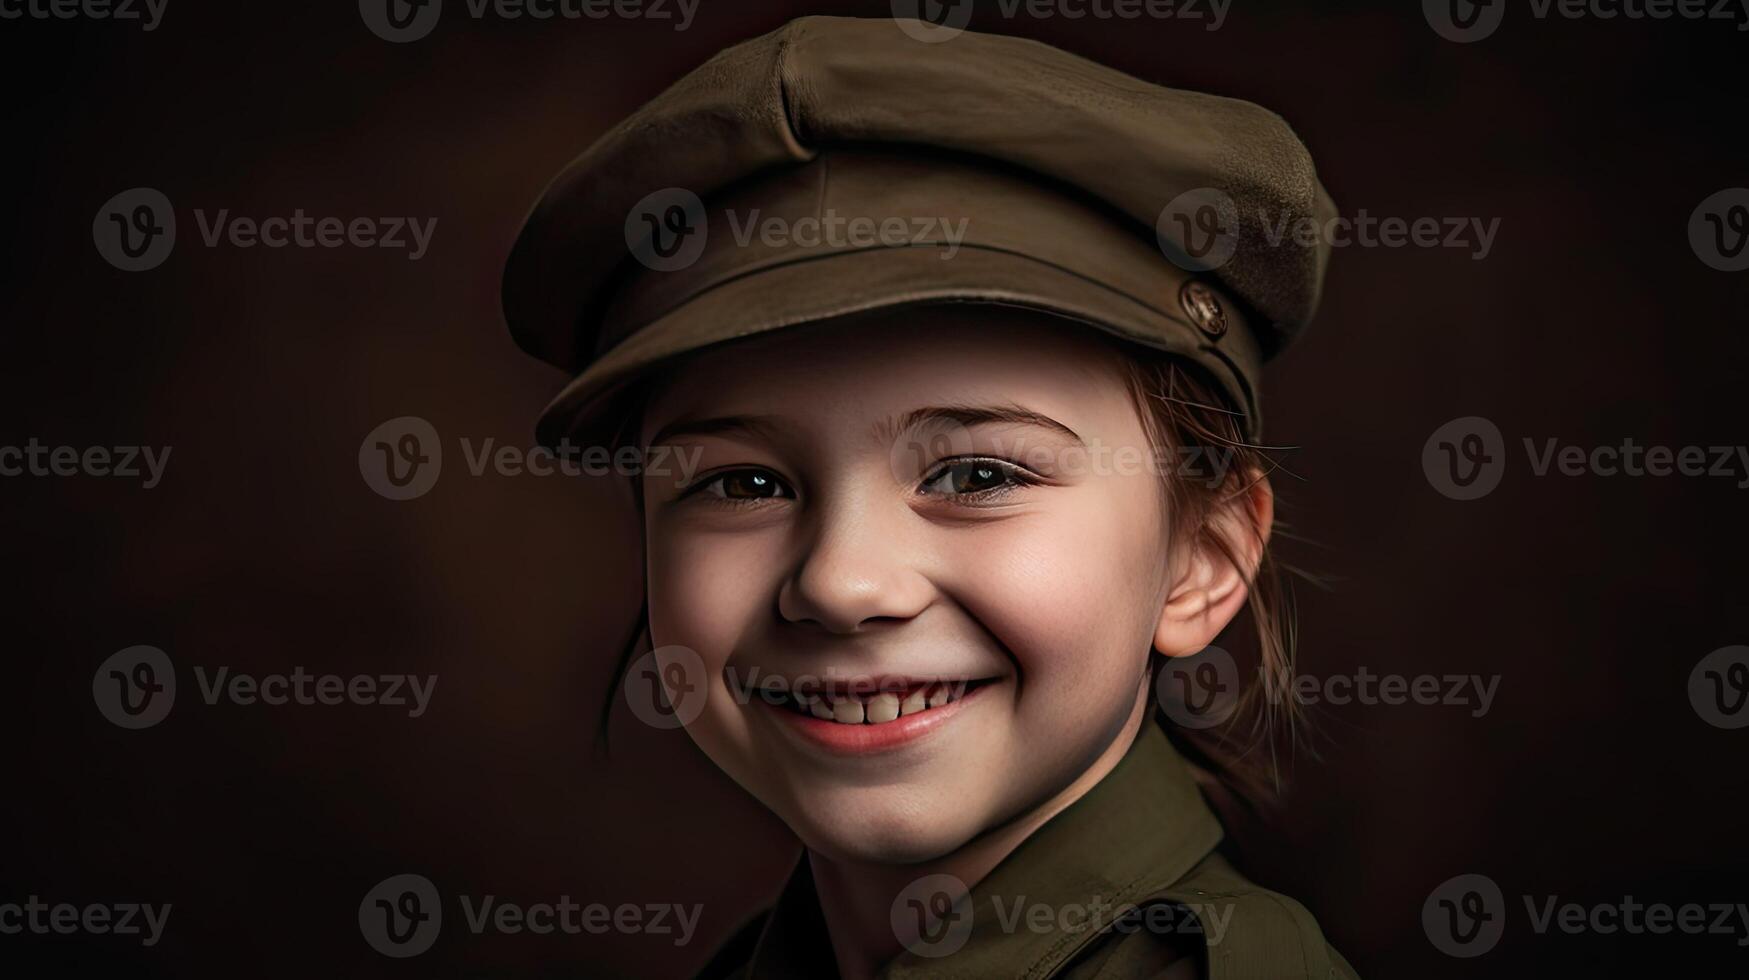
(884, 835)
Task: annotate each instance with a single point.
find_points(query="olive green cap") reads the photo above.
(838, 166)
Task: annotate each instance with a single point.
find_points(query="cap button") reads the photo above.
(1203, 307)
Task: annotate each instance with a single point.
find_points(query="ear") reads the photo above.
(1209, 587)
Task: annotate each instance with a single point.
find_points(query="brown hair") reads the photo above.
(1189, 420)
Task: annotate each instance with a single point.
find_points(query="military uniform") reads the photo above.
(1131, 886)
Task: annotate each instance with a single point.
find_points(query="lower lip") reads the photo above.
(866, 739)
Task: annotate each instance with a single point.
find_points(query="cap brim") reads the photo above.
(590, 411)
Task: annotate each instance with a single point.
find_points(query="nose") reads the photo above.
(861, 565)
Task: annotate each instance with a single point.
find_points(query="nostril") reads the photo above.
(847, 601)
(848, 607)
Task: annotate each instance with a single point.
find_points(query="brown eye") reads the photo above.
(746, 485)
(972, 476)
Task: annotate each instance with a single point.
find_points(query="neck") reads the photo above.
(856, 896)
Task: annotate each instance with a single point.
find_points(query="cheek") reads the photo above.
(706, 593)
(705, 589)
(1074, 591)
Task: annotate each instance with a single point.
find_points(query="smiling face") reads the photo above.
(926, 514)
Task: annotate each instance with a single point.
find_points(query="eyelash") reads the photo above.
(704, 484)
(1014, 477)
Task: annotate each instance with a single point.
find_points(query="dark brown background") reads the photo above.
(1592, 598)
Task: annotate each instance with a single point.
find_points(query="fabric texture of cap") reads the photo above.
(838, 166)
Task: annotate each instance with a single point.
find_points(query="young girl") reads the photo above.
(960, 343)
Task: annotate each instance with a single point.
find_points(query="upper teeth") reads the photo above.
(875, 709)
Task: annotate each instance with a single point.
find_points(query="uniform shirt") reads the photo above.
(1129, 885)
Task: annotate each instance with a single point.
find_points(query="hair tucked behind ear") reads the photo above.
(1188, 419)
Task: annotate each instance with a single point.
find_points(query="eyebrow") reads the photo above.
(766, 426)
(758, 425)
(975, 415)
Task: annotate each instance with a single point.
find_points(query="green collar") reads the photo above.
(1130, 838)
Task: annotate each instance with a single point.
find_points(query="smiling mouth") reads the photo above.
(874, 708)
